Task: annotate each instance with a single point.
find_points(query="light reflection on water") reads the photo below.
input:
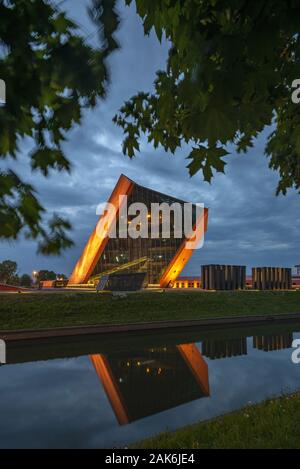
(114, 395)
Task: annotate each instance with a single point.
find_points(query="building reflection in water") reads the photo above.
(216, 349)
(145, 382)
(269, 343)
(139, 383)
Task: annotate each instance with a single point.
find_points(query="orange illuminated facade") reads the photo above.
(182, 256)
(99, 238)
(110, 385)
(161, 259)
(187, 282)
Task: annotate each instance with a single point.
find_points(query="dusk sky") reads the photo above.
(248, 224)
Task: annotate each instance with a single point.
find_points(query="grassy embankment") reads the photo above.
(272, 424)
(21, 311)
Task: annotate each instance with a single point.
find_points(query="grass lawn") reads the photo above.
(21, 311)
(272, 424)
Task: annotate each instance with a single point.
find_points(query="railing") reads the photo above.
(95, 279)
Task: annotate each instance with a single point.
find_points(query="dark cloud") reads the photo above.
(248, 224)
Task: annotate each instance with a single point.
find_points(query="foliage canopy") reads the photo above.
(228, 76)
(52, 74)
(229, 73)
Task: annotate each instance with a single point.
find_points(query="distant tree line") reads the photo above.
(9, 275)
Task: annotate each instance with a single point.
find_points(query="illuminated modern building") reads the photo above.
(162, 259)
(139, 383)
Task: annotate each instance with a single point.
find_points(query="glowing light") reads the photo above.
(97, 241)
(181, 257)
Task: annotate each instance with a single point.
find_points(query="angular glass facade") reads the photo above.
(161, 257)
(151, 256)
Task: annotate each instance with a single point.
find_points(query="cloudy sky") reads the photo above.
(248, 224)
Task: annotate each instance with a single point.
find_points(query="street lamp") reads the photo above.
(35, 276)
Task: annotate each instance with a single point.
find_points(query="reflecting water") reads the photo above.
(108, 392)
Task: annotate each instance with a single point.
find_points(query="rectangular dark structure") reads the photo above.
(271, 278)
(122, 282)
(270, 343)
(216, 349)
(223, 277)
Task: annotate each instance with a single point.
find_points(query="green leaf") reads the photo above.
(205, 159)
